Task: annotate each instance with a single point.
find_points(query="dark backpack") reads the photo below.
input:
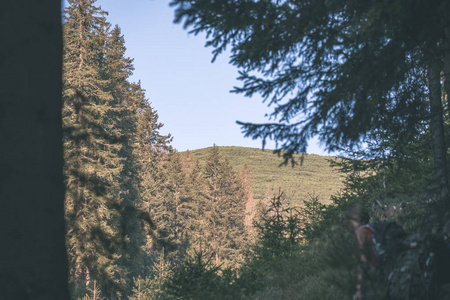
(412, 275)
(388, 242)
(405, 263)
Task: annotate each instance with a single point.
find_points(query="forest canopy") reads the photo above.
(146, 222)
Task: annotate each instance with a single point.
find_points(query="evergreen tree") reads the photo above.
(128, 99)
(279, 231)
(116, 161)
(196, 278)
(224, 212)
(91, 151)
(146, 153)
(333, 69)
(268, 197)
(310, 216)
(153, 286)
(195, 197)
(171, 210)
(151, 149)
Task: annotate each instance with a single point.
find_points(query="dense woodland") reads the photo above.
(132, 203)
(146, 222)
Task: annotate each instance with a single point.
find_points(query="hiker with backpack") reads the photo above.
(405, 263)
(408, 265)
(358, 220)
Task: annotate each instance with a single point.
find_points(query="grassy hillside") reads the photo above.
(314, 177)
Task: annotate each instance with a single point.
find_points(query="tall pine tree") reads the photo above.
(129, 99)
(150, 149)
(224, 212)
(91, 150)
(116, 161)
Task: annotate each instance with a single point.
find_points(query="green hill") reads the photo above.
(313, 177)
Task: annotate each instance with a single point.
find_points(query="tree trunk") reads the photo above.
(33, 261)
(437, 129)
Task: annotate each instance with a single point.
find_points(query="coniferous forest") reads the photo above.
(143, 221)
(135, 209)
(146, 222)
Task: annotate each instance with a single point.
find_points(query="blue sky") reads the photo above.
(190, 94)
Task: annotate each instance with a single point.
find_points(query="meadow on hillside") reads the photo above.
(312, 177)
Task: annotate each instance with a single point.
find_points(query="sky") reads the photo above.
(190, 93)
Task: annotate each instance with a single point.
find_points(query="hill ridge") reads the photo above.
(314, 177)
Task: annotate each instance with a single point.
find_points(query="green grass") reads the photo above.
(313, 177)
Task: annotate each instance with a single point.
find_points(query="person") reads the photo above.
(358, 221)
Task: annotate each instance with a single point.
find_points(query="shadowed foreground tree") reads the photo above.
(332, 68)
(33, 262)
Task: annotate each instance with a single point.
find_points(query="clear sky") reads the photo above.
(190, 94)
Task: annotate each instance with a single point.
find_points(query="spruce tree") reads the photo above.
(145, 152)
(195, 197)
(150, 149)
(279, 231)
(128, 99)
(334, 69)
(116, 161)
(224, 212)
(177, 194)
(169, 209)
(91, 150)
